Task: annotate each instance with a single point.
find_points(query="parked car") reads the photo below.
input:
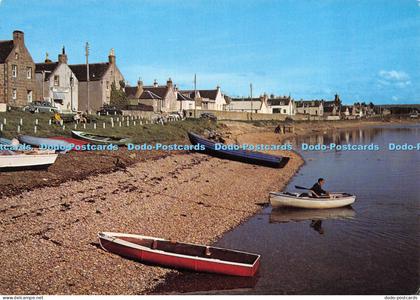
(40, 106)
(109, 110)
(209, 116)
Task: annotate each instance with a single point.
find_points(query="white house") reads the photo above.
(56, 83)
(255, 105)
(282, 105)
(310, 107)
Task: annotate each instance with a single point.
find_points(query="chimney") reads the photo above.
(155, 83)
(62, 58)
(169, 83)
(18, 37)
(139, 83)
(47, 60)
(111, 56)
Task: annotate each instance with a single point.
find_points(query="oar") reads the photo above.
(301, 187)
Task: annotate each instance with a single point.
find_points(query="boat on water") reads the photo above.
(100, 139)
(251, 157)
(49, 143)
(280, 199)
(290, 214)
(14, 161)
(193, 257)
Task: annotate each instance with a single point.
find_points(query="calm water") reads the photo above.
(371, 248)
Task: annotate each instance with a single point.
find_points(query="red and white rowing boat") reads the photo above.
(198, 258)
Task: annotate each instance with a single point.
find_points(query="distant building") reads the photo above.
(101, 78)
(17, 72)
(282, 105)
(254, 105)
(57, 83)
(310, 107)
(163, 98)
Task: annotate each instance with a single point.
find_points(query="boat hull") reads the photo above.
(58, 145)
(285, 200)
(175, 260)
(16, 162)
(251, 157)
(99, 140)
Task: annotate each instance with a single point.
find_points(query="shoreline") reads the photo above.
(51, 230)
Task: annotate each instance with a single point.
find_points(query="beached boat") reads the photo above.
(279, 199)
(291, 214)
(13, 161)
(45, 143)
(100, 139)
(198, 258)
(75, 142)
(251, 157)
(4, 141)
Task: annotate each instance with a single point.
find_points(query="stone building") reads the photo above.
(254, 105)
(163, 98)
(17, 72)
(310, 107)
(207, 99)
(56, 83)
(101, 77)
(282, 105)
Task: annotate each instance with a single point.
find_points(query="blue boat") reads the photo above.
(4, 141)
(250, 157)
(45, 143)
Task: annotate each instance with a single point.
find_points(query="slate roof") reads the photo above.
(149, 95)
(130, 91)
(279, 101)
(5, 48)
(160, 91)
(209, 94)
(48, 67)
(310, 103)
(96, 71)
(181, 97)
(190, 94)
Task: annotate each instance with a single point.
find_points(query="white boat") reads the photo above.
(279, 199)
(11, 161)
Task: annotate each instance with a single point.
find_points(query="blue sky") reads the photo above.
(367, 50)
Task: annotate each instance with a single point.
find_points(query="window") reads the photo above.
(284, 111)
(16, 55)
(29, 96)
(29, 72)
(56, 80)
(14, 71)
(107, 85)
(14, 94)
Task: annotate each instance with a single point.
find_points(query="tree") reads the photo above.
(118, 96)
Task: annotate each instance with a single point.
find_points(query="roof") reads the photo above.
(149, 95)
(209, 94)
(190, 93)
(328, 109)
(245, 104)
(48, 68)
(182, 97)
(245, 99)
(130, 91)
(96, 71)
(5, 48)
(310, 103)
(279, 101)
(160, 91)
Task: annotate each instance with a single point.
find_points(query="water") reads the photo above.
(371, 248)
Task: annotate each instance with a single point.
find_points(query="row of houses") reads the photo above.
(82, 87)
(287, 106)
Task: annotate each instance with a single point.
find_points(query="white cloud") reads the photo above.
(394, 78)
(395, 98)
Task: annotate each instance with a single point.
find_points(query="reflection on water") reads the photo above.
(371, 248)
(284, 215)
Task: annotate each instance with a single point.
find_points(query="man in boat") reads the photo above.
(317, 190)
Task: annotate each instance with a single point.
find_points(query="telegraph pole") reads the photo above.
(250, 87)
(87, 76)
(195, 95)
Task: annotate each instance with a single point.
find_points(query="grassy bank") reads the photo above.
(139, 133)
